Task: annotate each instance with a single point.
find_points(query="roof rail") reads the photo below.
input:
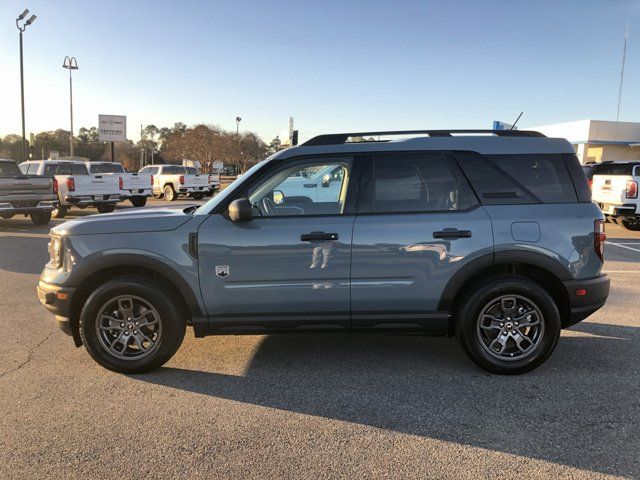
(339, 138)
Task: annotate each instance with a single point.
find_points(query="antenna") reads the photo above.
(624, 58)
(514, 123)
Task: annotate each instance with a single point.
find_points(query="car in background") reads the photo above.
(615, 190)
(75, 185)
(21, 194)
(134, 186)
(171, 181)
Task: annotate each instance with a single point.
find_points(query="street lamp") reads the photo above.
(70, 64)
(22, 28)
(237, 124)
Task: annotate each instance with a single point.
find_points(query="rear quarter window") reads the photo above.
(518, 179)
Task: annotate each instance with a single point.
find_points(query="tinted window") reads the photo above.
(518, 179)
(191, 171)
(173, 170)
(578, 176)
(150, 170)
(106, 168)
(615, 168)
(9, 168)
(415, 183)
(33, 169)
(78, 169)
(65, 169)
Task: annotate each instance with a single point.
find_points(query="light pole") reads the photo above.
(22, 29)
(70, 64)
(238, 119)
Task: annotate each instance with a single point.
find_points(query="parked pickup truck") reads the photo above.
(135, 187)
(76, 187)
(26, 195)
(615, 190)
(170, 181)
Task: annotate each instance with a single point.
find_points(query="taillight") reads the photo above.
(71, 184)
(120, 183)
(632, 189)
(181, 179)
(152, 180)
(55, 186)
(590, 182)
(599, 236)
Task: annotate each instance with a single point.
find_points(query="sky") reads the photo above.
(334, 66)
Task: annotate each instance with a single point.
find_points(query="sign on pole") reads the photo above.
(112, 128)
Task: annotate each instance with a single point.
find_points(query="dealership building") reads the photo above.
(598, 140)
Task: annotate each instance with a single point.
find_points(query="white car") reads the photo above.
(317, 185)
(615, 190)
(171, 181)
(135, 187)
(76, 187)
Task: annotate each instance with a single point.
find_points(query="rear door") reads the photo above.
(418, 223)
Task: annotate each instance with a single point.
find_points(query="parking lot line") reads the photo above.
(625, 246)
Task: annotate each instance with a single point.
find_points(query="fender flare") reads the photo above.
(527, 257)
(108, 260)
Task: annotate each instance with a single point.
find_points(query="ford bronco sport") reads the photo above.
(490, 236)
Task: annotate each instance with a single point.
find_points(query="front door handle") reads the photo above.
(310, 185)
(318, 236)
(452, 233)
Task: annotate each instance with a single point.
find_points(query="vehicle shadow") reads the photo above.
(563, 412)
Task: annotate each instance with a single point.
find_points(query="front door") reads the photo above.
(418, 223)
(288, 268)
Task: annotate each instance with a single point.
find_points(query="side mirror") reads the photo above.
(278, 197)
(240, 210)
(326, 180)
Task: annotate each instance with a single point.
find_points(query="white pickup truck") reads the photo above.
(76, 187)
(171, 181)
(135, 187)
(615, 190)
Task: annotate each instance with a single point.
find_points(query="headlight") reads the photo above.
(55, 252)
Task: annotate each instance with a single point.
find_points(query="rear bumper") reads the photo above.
(193, 189)
(21, 207)
(91, 200)
(585, 297)
(135, 192)
(624, 210)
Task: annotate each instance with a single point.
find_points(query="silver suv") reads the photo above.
(488, 236)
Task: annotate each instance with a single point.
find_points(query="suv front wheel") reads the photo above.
(509, 325)
(132, 325)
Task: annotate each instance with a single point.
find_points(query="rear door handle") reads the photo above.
(316, 236)
(452, 233)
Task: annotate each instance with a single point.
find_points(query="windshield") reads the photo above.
(8, 168)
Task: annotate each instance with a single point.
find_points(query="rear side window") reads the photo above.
(414, 182)
(578, 176)
(518, 179)
(33, 169)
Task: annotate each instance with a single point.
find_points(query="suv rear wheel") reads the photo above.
(132, 325)
(509, 325)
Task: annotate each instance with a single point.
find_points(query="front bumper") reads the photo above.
(57, 300)
(585, 297)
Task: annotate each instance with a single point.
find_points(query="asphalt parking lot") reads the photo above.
(316, 406)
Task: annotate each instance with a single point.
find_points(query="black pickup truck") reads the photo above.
(28, 195)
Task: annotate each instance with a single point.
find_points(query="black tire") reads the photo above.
(138, 201)
(468, 331)
(171, 319)
(40, 218)
(105, 208)
(59, 211)
(170, 194)
(630, 223)
(209, 193)
(197, 195)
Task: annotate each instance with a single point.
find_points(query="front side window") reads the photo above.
(303, 187)
(414, 182)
